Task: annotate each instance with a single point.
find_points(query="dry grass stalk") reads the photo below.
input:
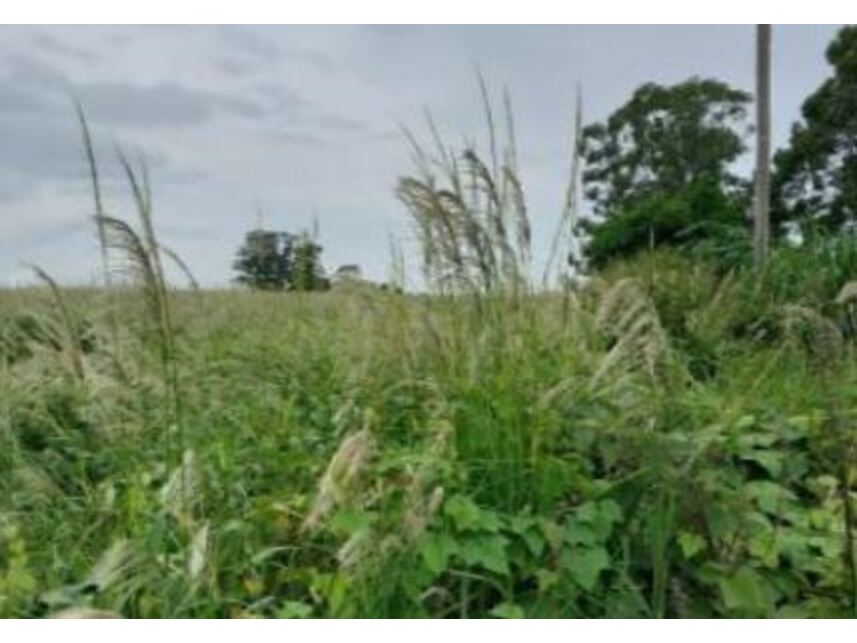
(627, 316)
(340, 478)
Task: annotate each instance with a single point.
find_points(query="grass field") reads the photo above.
(664, 441)
(671, 437)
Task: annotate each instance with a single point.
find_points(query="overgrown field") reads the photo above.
(664, 441)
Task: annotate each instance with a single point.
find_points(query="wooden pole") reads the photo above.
(761, 202)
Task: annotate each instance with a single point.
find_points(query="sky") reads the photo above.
(295, 124)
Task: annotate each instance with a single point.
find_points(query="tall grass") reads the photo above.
(470, 212)
(662, 441)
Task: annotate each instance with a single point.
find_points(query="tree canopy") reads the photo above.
(264, 260)
(815, 183)
(661, 163)
(307, 272)
(270, 260)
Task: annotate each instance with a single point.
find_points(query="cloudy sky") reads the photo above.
(303, 122)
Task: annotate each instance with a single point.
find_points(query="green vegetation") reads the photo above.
(657, 172)
(671, 437)
(269, 260)
(817, 173)
(264, 260)
(664, 442)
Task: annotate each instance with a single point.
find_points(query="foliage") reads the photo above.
(264, 261)
(816, 175)
(699, 212)
(660, 164)
(306, 271)
(444, 461)
(670, 438)
(470, 211)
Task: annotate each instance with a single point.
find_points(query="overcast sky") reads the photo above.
(303, 122)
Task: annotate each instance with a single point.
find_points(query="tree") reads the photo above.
(761, 217)
(660, 164)
(264, 260)
(815, 180)
(307, 272)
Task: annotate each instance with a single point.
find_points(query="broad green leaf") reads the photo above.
(770, 461)
(553, 532)
(488, 552)
(520, 524)
(534, 541)
(600, 516)
(610, 511)
(690, 543)
(467, 516)
(508, 610)
(546, 579)
(746, 592)
(349, 521)
(585, 565)
(436, 549)
(294, 609)
(527, 528)
(722, 521)
(579, 533)
(463, 511)
(793, 611)
(769, 496)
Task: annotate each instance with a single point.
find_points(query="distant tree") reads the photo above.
(307, 272)
(659, 167)
(815, 180)
(265, 259)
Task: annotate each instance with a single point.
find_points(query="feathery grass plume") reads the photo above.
(182, 492)
(355, 549)
(115, 564)
(92, 166)
(115, 569)
(425, 493)
(489, 119)
(142, 254)
(470, 216)
(181, 265)
(142, 193)
(566, 231)
(342, 475)
(198, 554)
(84, 613)
(627, 316)
(35, 482)
(819, 335)
(847, 299)
(847, 294)
(137, 266)
(72, 342)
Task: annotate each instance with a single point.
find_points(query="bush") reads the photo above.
(702, 211)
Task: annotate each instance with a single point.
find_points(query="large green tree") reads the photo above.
(658, 169)
(815, 182)
(264, 260)
(307, 270)
(269, 260)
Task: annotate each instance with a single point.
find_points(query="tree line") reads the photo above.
(660, 169)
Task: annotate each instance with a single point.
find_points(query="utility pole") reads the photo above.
(761, 201)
